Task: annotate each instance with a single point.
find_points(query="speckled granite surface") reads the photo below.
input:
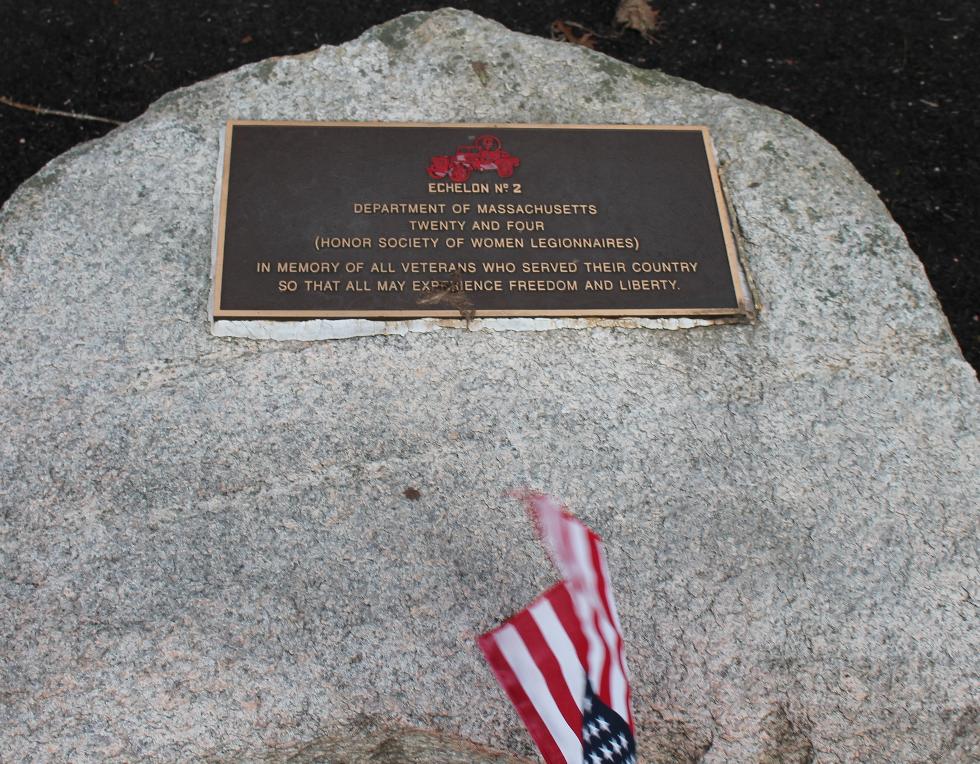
(206, 550)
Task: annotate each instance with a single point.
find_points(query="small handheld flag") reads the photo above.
(560, 660)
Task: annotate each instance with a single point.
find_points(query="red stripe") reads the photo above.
(591, 562)
(525, 709)
(579, 567)
(604, 690)
(629, 707)
(562, 553)
(536, 645)
(561, 601)
(595, 543)
(567, 550)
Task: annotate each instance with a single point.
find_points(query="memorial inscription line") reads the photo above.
(382, 276)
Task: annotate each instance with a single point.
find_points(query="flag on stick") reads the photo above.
(560, 660)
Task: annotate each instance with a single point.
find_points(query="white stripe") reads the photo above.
(617, 682)
(574, 559)
(617, 677)
(585, 601)
(609, 594)
(579, 536)
(561, 646)
(551, 521)
(529, 675)
(619, 693)
(609, 633)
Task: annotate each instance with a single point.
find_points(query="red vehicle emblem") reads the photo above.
(485, 154)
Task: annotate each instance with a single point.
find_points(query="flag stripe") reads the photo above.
(522, 664)
(609, 602)
(597, 648)
(513, 686)
(617, 683)
(588, 606)
(561, 600)
(607, 664)
(564, 651)
(551, 672)
(606, 591)
(611, 633)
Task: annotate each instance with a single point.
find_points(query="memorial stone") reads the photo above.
(233, 549)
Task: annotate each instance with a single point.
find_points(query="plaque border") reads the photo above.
(743, 309)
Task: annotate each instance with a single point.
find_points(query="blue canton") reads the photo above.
(606, 737)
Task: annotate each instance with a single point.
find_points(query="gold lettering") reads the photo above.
(321, 286)
(604, 267)
(315, 266)
(407, 242)
(498, 243)
(459, 188)
(665, 267)
(543, 286)
(437, 225)
(544, 267)
(647, 285)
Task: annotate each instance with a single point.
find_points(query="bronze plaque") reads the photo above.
(390, 220)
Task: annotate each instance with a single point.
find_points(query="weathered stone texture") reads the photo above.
(206, 550)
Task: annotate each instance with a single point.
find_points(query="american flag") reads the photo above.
(560, 660)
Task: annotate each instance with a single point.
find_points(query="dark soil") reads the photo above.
(892, 83)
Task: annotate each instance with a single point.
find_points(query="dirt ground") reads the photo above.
(892, 83)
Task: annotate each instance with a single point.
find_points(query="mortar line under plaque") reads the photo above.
(389, 220)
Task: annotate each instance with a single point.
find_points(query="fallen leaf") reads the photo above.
(480, 67)
(638, 16)
(453, 296)
(564, 31)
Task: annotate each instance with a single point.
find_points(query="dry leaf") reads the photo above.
(452, 295)
(639, 16)
(564, 31)
(480, 67)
